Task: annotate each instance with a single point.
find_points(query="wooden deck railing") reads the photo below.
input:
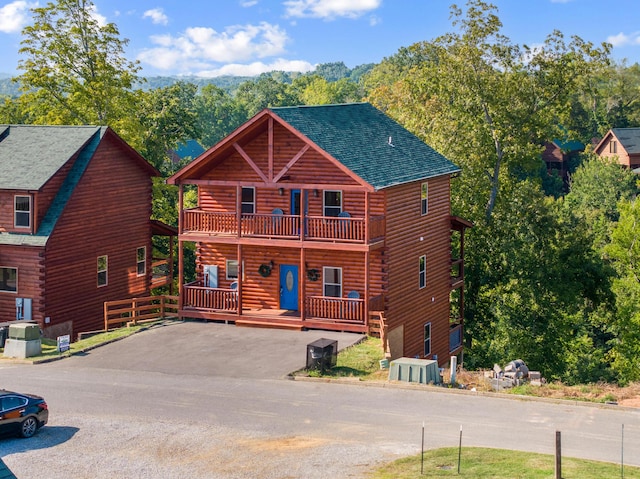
(318, 228)
(201, 297)
(336, 309)
(270, 225)
(139, 309)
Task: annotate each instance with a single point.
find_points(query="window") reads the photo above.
(613, 146)
(424, 199)
(249, 200)
(103, 265)
(332, 203)
(12, 402)
(8, 279)
(232, 269)
(141, 261)
(422, 272)
(332, 281)
(22, 211)
(427, 339)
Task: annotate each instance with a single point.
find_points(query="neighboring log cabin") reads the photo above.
(621, 145)
(75, 229)
(326, 217)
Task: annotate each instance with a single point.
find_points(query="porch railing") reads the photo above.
(200, 297)
(336, 309)
(318, 228)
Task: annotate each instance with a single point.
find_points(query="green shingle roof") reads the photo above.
(376, 148)
(30, 155)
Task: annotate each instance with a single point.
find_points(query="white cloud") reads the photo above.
(622, 39)
(157, 16)
(205, 46)
(256, 68)
(101, 19)
(330, 9)
(14, 16)
(248, 3)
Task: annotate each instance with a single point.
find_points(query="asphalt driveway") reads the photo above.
(211, 349)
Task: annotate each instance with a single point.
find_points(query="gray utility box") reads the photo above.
(322, 354)
(24, 332)
(423, 371)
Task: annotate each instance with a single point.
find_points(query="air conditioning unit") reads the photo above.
(423, 371)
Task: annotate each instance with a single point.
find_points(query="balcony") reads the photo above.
(316, 228)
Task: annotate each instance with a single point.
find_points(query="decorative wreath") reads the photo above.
(265, 269)
(313, 274)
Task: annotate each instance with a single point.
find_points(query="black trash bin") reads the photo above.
(322, 354)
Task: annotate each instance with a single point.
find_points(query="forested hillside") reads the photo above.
(552, 269)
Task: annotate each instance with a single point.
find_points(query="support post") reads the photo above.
(558, 456)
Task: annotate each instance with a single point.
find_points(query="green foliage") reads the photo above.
(74, 70)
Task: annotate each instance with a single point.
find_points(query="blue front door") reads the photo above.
(289, 287)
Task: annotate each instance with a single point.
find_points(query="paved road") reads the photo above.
(158, 405)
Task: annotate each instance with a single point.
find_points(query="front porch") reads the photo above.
(318, 312)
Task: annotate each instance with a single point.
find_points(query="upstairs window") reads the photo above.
(422, 272)
(332, 282)
(8, 279)
(141, 261)
(102, 270)
(332, 203)
(424, 199)
(22, 210)
(248, 200)
(613, 146)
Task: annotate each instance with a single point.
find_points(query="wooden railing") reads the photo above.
(209, 222)
(270, 225)
(336, 309)
(318, 228)
(134, 310)
(201, 297)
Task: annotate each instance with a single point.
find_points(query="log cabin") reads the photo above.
(622, 145)
(75, 228)
(326, 217)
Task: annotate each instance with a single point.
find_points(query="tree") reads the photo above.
(484, 102)
(74, 70)
(218, 114)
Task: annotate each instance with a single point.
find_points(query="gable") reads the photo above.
(360, 143)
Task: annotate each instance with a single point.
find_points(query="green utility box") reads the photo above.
(24, 332)
(423, 371)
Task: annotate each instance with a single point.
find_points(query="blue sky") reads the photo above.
(248, 37)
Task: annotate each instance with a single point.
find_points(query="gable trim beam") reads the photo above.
(270, 148)
(295, 186)
(248, 159)
(293, 161)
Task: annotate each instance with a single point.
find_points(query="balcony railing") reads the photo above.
(319, 228)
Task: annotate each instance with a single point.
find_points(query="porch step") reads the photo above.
(272, 324)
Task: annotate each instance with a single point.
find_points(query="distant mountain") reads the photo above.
(329, 71)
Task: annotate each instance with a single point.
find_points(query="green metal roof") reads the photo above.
(30, 154)
(375, 147)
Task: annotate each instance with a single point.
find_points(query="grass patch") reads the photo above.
(50, 346)
(362, 360)
(485, 463)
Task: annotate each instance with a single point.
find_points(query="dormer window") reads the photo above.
(22, 212)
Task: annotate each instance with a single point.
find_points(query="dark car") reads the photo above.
(22, 414)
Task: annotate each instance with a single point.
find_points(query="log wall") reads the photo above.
(409, 236)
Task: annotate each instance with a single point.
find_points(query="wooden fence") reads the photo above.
(134, 310)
